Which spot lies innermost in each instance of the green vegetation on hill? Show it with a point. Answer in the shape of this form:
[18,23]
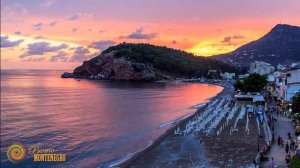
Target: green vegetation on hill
[168,60]
[253,83]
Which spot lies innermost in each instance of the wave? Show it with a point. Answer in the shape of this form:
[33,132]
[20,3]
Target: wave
[174,121]
[197,106]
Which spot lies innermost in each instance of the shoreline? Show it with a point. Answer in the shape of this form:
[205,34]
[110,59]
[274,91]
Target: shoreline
[167,133]
[214,136]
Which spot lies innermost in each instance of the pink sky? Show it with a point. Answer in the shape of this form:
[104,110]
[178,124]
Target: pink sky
[60,34]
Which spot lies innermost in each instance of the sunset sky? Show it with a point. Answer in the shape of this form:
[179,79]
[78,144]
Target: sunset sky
[60,34]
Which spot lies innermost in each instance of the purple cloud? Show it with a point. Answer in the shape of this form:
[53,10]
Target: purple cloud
[17,33]
[226,39]
[53,23]
[138,34]
[81,54]
[74,17]
[60,56]
[36,59]
[39,48]
[40,37]
[38,26]
[229,39]
[6,43]
[74,29]
[101,45]
[238,36]
[47,3]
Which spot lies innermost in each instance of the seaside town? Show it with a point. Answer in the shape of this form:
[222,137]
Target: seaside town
[276,108]
[253,122]
[150,84]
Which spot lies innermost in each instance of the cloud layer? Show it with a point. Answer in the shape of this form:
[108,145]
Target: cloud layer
[5,42]
[81,54]
[40,48]
[138,34]
[102,45]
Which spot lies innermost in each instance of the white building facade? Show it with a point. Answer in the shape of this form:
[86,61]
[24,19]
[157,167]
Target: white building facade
[292,83]
[261,68]
[228,76]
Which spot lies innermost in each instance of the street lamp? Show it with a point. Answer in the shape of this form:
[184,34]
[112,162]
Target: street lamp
[260,136]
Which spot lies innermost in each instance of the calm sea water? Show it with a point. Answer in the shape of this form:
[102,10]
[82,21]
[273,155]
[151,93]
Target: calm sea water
[95,123]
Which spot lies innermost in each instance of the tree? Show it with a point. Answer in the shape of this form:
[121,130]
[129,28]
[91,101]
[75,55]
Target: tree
[253,83]
[239,85]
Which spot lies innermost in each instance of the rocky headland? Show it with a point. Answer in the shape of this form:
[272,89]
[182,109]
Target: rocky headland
[145,62]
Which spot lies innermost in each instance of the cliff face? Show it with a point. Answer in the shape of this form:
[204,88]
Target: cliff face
[106,66]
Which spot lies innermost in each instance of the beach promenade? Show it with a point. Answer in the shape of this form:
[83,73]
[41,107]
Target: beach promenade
[282,126]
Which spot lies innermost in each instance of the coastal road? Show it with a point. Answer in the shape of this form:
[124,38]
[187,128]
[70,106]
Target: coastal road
[283,125]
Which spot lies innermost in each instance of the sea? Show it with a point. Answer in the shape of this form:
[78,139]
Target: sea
[94,123]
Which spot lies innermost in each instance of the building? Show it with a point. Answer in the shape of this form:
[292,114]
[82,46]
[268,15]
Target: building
[261,68]
[271,78]
[287,81]
[280,67]
[295,64]
[228,75]
[292,83]
[243,76]
[293,75]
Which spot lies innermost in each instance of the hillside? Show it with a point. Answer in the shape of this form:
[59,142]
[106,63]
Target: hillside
[281,44]
[128,61]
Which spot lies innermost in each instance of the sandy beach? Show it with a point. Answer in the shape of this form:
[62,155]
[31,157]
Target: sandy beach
[217,135]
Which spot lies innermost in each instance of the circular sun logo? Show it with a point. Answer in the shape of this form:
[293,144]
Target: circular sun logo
[16,152]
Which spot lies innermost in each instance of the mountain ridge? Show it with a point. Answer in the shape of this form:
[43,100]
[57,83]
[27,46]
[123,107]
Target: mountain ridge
[281,44]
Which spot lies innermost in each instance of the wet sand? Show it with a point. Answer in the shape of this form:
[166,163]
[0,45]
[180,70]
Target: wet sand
[200,149]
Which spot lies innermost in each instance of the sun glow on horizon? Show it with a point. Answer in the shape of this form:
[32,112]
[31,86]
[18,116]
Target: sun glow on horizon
[209,48]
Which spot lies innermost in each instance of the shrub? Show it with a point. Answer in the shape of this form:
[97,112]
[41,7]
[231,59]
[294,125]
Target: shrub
[295,162]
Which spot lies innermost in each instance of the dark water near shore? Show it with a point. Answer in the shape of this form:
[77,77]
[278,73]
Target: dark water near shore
[95,123]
